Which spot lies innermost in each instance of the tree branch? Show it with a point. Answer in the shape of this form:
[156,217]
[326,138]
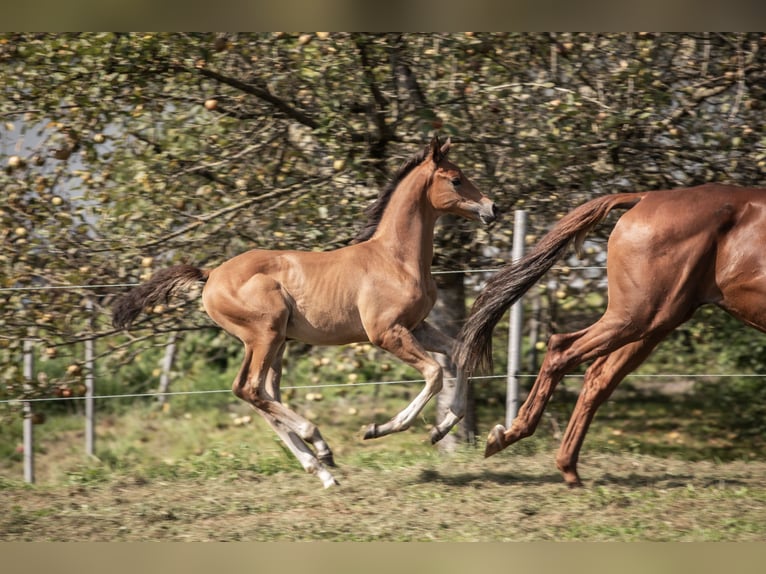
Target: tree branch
[261,93]
[385,133]
[203,172]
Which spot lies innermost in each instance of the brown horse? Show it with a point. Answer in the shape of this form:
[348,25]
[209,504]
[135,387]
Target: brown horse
[671,253]
[379,289]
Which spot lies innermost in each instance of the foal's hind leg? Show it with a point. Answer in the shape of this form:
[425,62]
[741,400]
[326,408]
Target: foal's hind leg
[300,450]
[259,385]
[312,435]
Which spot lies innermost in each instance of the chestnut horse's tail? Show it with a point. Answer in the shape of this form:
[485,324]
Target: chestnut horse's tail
[158,289]
[474,347]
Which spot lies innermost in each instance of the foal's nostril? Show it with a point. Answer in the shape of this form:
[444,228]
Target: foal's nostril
[495,210]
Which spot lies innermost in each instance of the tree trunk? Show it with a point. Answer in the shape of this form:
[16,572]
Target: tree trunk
[167,365]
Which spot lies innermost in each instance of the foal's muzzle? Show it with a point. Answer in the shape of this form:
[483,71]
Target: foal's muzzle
[488,213]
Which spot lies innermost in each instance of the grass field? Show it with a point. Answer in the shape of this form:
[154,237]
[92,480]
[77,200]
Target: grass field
[655,467]
[457,499]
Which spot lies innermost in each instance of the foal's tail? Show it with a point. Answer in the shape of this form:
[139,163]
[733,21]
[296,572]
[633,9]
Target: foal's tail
[158,289]
[474,347]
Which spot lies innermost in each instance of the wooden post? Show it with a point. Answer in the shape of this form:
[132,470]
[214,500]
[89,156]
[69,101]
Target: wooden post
[515,325]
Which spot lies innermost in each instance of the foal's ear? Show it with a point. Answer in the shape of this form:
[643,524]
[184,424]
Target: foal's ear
[445,147]
[438,150]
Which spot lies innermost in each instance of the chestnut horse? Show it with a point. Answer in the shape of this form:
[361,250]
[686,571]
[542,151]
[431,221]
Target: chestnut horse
[379,289]
[672,252]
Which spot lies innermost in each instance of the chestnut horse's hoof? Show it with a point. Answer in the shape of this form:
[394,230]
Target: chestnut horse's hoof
[495,441]
[572,479]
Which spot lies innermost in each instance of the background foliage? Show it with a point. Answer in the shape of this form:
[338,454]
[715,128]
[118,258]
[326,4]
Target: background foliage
[124,153]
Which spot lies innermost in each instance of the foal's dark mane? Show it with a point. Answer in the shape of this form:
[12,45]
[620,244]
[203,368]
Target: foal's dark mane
[375,211]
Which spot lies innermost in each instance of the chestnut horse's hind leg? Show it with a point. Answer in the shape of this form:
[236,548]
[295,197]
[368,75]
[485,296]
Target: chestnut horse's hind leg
[601,378]
[565,352]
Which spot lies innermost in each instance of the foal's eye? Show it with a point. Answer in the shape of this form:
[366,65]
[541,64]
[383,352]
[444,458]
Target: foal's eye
[456,181]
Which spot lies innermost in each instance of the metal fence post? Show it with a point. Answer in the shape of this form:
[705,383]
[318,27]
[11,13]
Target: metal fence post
[515,324]
[28,430]
[90,431]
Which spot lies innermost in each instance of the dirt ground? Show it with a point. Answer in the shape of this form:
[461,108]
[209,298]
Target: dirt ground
[458,498]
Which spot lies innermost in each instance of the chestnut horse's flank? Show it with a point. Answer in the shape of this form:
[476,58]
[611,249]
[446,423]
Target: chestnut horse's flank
[672,252]
[379,289]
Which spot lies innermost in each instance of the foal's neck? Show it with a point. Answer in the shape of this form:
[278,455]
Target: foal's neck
[407,225]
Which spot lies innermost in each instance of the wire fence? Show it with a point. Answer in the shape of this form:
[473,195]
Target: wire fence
[156,394]
[228,391]
[66,287]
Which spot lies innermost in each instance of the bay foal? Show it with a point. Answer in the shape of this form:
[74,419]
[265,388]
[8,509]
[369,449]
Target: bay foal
[378,289]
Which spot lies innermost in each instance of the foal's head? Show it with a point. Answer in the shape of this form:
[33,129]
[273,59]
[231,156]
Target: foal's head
[452,192]
[447,190]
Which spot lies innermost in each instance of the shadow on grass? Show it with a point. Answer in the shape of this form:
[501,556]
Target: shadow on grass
[666,481]
[633,480]
[478,479]
[703,422]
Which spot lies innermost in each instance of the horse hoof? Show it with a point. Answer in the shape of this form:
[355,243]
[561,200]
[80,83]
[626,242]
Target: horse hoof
[328,459]
[573,482]
[371,432]
[495,441]
[327,479]
[436,435]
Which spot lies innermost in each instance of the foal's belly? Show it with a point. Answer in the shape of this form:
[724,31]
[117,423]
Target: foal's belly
[326,330]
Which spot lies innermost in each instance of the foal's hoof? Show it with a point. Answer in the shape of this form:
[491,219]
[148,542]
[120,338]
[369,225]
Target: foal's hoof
[327,459]
[371,432]
[327,479]
[437,435]
[495,441]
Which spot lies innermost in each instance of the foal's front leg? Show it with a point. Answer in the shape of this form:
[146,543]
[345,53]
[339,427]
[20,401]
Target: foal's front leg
[436,341]
[402,343]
